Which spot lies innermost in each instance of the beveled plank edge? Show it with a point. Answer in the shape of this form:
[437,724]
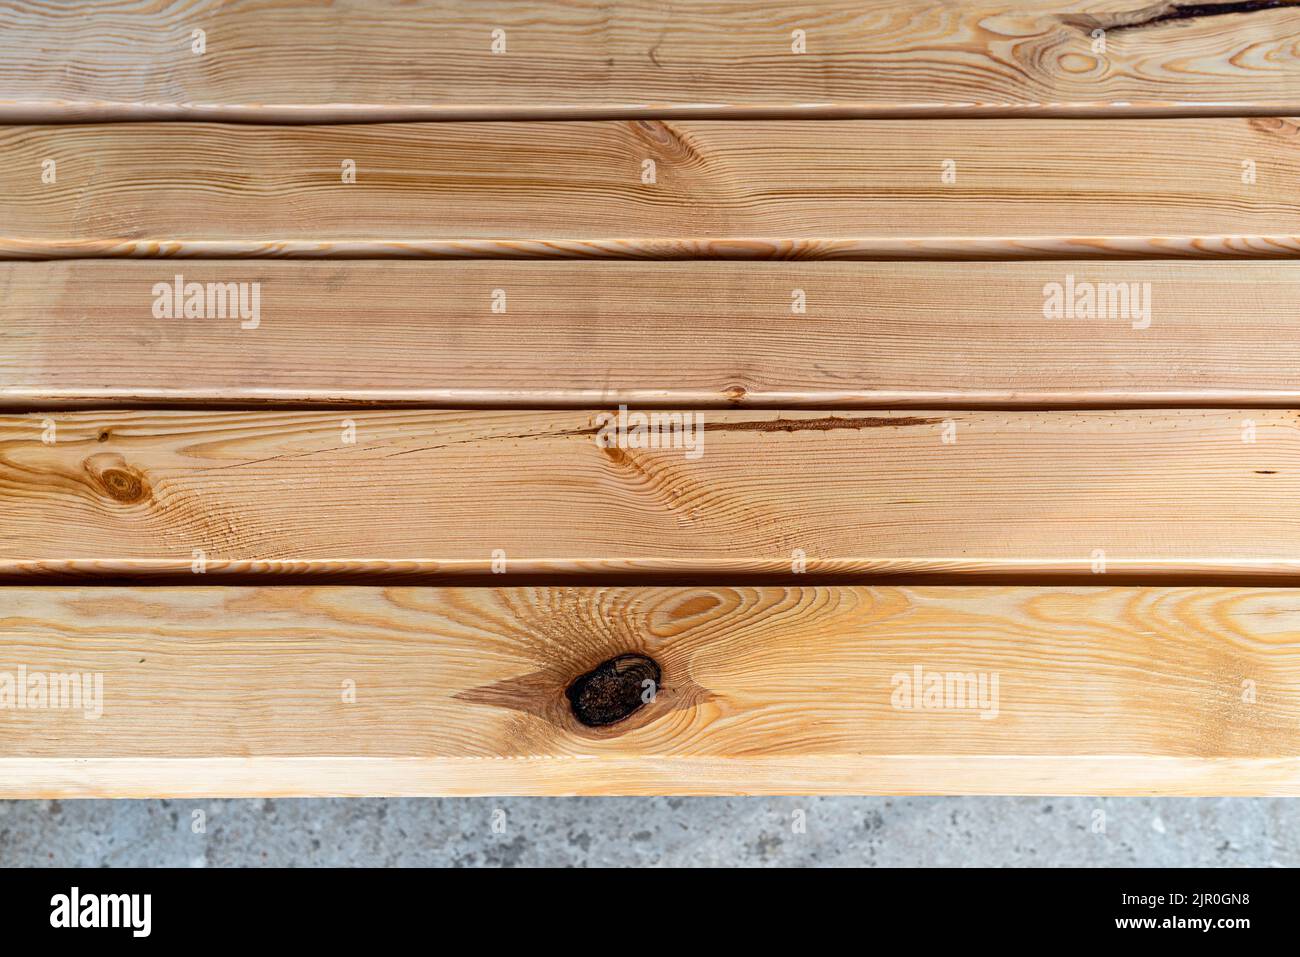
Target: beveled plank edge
[24,399]
[343,776]
[978,248]
[43,112]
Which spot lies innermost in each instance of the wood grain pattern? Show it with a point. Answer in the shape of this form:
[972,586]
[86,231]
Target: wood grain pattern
[1160,493]
[815,189]
[212,690]
[275,60]
[767,581]
[689,334]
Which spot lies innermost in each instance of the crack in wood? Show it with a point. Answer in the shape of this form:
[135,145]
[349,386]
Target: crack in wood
[1169,12]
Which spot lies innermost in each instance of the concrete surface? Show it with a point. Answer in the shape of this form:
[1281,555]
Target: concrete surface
[655,831]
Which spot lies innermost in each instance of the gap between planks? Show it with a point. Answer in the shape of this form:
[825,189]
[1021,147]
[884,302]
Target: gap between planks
[55,113]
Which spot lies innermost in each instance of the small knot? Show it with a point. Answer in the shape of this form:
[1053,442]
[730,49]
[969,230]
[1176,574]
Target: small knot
[116,479]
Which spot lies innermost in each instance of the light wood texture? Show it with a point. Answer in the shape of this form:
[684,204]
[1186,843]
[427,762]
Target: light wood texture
[241,691]
[814,189]
[282,60]
[690,334]
[1160,493]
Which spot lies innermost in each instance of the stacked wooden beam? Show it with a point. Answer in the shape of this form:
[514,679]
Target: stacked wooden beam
[569,397]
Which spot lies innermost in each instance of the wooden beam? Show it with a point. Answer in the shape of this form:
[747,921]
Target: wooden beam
[989,189]
[919,493]
[282,61]
[686,334]
[303,691]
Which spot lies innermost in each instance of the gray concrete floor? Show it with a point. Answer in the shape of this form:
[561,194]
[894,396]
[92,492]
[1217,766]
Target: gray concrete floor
[473,832]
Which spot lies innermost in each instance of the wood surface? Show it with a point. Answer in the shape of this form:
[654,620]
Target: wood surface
[690,334]
[219,690]
[759,190]
[1163,494]
[273,60]
[1085,509]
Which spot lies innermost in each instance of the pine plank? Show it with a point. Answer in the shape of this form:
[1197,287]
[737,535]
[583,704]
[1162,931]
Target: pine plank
[443,493]
[799,690]
[756,190]
[279,60]
[690,334]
